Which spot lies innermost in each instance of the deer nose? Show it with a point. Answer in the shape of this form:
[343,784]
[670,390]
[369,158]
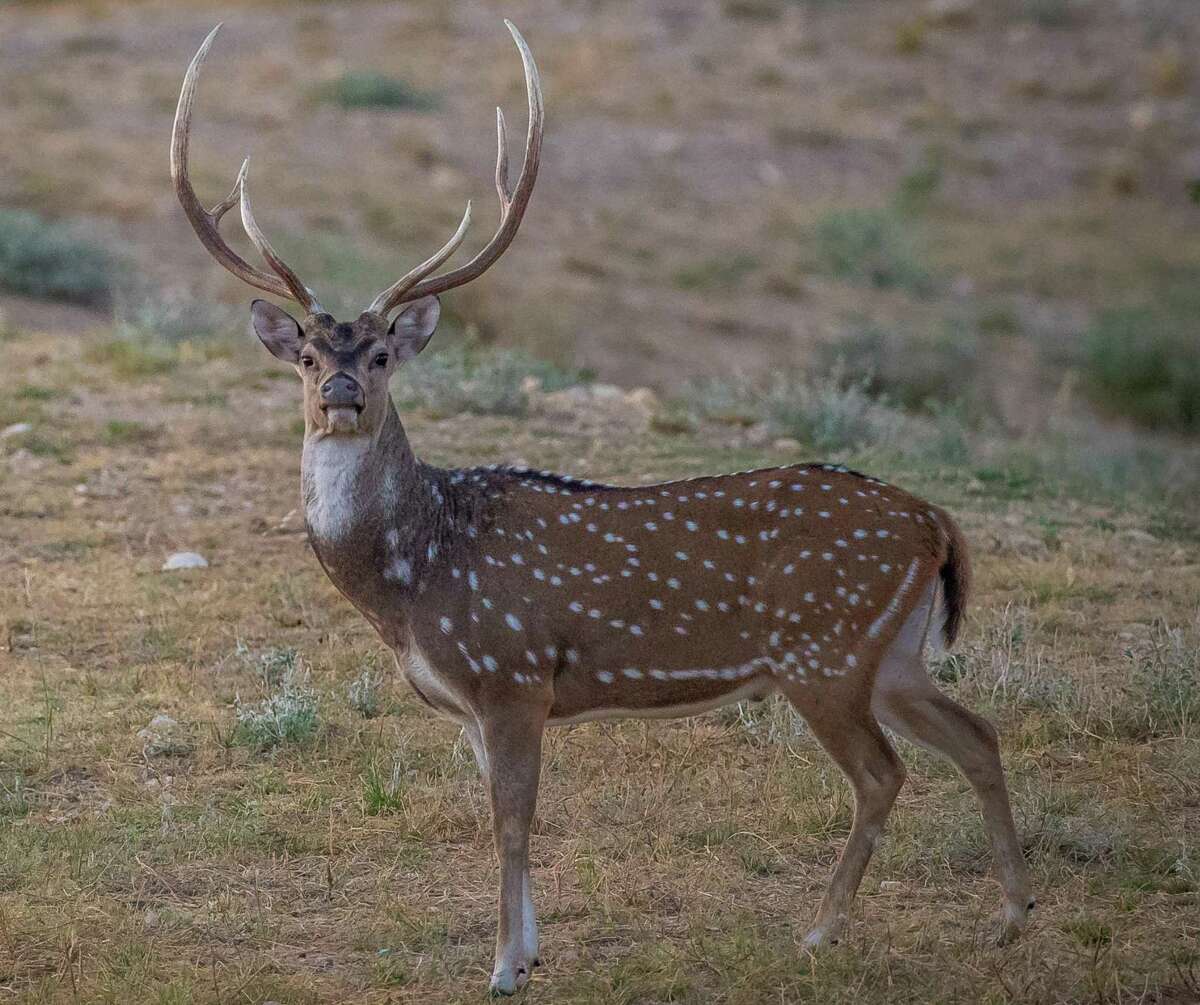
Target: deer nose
[341,391]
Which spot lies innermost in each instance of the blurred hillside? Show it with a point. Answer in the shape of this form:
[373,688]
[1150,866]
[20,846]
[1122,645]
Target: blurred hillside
[955,195]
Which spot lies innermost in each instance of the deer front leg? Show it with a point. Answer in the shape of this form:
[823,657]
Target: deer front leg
[512,741]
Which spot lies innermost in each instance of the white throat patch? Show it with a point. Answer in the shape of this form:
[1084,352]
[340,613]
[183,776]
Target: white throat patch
[329,470]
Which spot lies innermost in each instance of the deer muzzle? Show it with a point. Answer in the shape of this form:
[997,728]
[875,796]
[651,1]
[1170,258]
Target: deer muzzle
[342,401]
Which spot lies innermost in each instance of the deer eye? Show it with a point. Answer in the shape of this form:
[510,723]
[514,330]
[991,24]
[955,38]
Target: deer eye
[307,362]
[381,359]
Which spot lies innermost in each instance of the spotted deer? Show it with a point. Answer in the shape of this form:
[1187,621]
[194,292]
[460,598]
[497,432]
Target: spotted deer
[515,599]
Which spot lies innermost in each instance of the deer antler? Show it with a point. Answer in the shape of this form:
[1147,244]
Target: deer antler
[419,283]
[206,223]
[299,292]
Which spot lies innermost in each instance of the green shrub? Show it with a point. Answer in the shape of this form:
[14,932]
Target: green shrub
[1144,362]
[383,792]
[14,801]
[830,413]
[368,89]
[753,10]
[365,693]
[1162,695]
[912,373]
[1050,13]
[715,273]
[273,665]
[466,377]
[150,335]
[55,445]
[169,318]
[871,247]
[134,357]
[118,432]
[43,259]
[916,189]
[288,714]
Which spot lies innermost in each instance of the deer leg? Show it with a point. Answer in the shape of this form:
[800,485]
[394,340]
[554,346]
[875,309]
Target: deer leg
[927,717]
[907,701]
[474,737]
[512,741]
[858,746]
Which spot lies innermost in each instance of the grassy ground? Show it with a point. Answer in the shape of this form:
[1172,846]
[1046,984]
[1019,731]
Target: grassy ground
[971,229]
[673,862]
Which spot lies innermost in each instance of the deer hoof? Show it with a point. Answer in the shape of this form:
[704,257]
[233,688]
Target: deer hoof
[510,980]
[1012,922]
[819,938]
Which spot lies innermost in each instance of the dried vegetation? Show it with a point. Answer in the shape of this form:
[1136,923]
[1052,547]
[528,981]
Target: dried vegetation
[214,788]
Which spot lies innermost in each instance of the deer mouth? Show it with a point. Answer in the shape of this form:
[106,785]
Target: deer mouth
[342,418]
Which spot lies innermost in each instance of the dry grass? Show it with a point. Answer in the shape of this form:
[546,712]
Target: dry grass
[674,862]
[1035,152]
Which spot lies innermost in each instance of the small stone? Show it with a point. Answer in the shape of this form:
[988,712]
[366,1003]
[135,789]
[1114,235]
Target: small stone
[185,560]
[758,435]
[606,392]
[1142,116]
[16,429]
[164,737]
[644,399]
[769,174]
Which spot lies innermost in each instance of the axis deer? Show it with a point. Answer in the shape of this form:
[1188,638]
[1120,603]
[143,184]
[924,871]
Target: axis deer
[516,599]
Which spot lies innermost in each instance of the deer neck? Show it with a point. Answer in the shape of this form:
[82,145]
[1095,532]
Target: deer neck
[352,485]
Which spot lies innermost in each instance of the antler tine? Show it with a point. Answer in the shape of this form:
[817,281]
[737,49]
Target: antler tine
[512,206]
[297,290]
[502,163]
[206,223]
[231,200]
[395,294]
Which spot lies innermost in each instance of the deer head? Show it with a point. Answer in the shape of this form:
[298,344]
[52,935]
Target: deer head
[346,367]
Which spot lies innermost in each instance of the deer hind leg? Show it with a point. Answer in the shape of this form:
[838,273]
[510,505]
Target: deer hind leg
[907,701]
[512,742]
[474,735]
[858,746]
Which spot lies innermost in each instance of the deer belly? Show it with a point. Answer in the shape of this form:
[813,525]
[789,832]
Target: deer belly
[665,694]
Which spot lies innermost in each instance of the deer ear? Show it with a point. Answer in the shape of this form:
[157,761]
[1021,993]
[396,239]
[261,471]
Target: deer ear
[277,329]
[413,326]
